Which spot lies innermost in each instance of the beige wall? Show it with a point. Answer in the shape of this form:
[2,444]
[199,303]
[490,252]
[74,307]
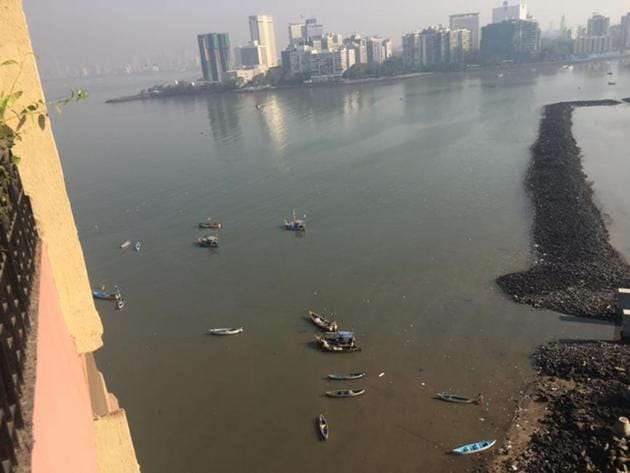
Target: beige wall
[43,181]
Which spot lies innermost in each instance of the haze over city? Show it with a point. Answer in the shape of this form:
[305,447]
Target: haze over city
[72,33]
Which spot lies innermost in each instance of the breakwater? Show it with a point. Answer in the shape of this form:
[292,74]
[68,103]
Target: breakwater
[575,270]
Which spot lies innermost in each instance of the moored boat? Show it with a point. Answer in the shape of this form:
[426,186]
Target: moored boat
[295,224]
[125,244]
[104,296]
[346,376]
[120,303]
[208,241]
[345,393]
[322,425]
[459,399]
[137,246]
[210,224]
[322,322]
[225,331]
[328,346]
[474,447]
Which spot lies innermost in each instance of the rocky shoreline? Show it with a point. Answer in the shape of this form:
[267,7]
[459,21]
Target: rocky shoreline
[566,421]
[576,270]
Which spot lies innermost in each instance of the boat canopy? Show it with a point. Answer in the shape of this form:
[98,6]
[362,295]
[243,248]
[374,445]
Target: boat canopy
[342,336]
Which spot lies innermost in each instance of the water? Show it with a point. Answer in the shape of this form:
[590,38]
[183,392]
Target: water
[414,201]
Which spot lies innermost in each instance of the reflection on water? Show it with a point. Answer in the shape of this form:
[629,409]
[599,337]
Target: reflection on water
[414,207]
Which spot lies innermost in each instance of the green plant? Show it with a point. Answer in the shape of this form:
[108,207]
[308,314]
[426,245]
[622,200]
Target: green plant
[13,118]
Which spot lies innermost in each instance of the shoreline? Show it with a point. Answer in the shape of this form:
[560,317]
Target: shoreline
[575,270]
[370,80]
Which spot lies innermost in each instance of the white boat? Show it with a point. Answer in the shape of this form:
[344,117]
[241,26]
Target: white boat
[322,425]
[137,246]
[225,331]
[345,393]
[208,241]
[125,244]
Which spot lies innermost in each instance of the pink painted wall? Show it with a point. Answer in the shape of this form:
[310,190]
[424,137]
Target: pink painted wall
[63,429]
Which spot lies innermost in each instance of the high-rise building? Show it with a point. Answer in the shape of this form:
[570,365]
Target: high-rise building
[214,51]
[598,25]
[625,31]
[253,55]
[592,45]
[459,45]
[261,30]
[314,31]
[435,46]
[412,50]
[509,12]
[297,33]
[359,45]
[332,41]
[470,21]
[514,40]
[378,49]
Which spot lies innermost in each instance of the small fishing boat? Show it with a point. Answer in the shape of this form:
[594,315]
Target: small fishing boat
[137,246]
[225,331]
[326,345]
[345,393]
[346,376]
[125,244]
[474,447]
[322,425]
[612,83]
[210,224]
[295,224]
[459,399]
[104,296]
[120,303]
[208,241]
[322,322]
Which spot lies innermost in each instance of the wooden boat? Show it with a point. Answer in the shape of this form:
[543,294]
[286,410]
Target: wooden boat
[137,246]
[474,447]
[345,377]
[210,224]
[345,393]
[208,241]
[225,331]
[459,399]
[326,345]
[104,296]
[125,244]
[322,425]
[120,303]
[322,322]
[295,224]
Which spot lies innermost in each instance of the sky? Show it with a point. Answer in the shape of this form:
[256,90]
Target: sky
[111,32]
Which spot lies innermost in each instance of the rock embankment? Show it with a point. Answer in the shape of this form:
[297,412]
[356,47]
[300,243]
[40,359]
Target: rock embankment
[583,388]
[576,270]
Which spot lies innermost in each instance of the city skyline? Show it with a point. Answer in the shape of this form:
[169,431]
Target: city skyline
[56,45]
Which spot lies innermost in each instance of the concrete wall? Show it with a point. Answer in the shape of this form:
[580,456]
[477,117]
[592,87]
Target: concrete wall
[77,425]
[43,181]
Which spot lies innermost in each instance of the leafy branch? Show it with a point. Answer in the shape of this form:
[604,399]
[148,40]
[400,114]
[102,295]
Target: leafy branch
[13,118]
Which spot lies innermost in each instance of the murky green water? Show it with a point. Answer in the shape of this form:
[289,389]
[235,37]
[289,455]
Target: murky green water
[414,201]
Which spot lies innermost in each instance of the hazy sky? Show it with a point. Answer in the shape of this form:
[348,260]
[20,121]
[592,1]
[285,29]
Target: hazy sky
[111,32]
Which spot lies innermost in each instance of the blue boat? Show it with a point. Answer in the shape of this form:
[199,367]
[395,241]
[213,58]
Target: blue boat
[102,295]
[474,447]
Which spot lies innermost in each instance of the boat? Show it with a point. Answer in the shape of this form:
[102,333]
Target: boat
[345,377]
[295,224]
[612,83]
[343,338]
[210,224]
[326,345]
[208,241]
[125,244]
[322,322]
[120,303]
[460,399]
[345,393]
[225,331]
[322,425]
[137,246]
[474,447]
[104,296]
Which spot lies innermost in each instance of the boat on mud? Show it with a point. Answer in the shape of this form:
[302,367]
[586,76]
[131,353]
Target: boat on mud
[341,393]
[322,322]
[460,399]
[346,376]
[474,447]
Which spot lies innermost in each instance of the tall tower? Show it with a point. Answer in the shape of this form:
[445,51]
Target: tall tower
[261,30]
[214,51]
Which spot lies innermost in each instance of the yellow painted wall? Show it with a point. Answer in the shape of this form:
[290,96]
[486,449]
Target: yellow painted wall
[43,180]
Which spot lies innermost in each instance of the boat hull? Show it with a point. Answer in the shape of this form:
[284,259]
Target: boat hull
[345,377]
[474,447]
[225,331]
[345,393]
